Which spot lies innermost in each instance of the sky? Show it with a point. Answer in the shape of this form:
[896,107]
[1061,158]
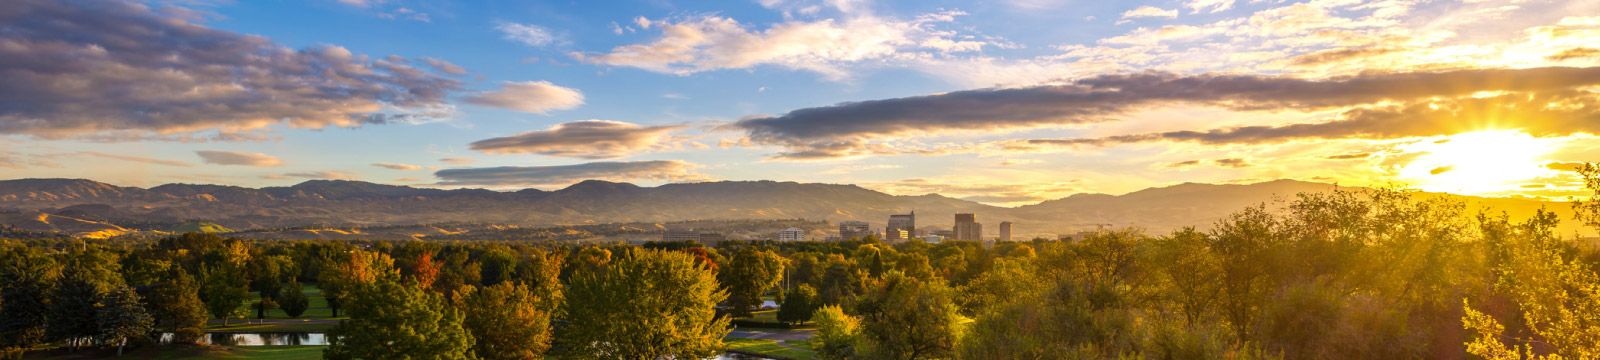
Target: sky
[1005,102]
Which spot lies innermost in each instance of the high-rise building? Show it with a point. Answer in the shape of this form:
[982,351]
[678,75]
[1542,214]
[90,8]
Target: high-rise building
[792,234]
[853,230]
[906,222]
[1005,231]
[968,228]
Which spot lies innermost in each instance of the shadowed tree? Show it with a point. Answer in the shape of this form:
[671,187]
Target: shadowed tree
[292,299]
[175,306]
[906,318]
[25,286]
[120,317]
[750,273]
[223,290]
[798,306]
[72,307]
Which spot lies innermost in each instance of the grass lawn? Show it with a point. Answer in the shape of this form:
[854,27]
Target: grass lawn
[317,310]
[194,352]
[767,347]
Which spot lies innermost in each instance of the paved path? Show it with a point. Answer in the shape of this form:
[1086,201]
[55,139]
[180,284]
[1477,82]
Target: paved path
[780,335]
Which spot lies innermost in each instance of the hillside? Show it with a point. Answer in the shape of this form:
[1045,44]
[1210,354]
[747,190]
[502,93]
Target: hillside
[354,203]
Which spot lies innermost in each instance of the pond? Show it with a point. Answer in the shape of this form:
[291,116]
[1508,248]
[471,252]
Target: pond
[321,339]
[258,339]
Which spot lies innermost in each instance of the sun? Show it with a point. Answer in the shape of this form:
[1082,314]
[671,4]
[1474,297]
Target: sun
[1483,162]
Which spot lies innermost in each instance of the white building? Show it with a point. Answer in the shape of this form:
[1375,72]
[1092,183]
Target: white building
[791,234]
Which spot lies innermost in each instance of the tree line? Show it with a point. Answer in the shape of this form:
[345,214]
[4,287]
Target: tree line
[1346,274]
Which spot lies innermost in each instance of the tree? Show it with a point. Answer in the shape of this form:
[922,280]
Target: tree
[121,317]
[72,307]
[907,318]
[223,290]
[270,274]
[749,275]
[1191,269]
[836,333]
[354,268]
[647,304]
[798,306]
[174,303]
[509,321]
[24,289]
[293,299]
[393,321]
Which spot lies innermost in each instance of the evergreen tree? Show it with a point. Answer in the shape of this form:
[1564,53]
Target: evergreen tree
[72,308]
[174,303]
[24,287]
[509,321]
[121,317]
[293,299]
[646,304]
[392,321]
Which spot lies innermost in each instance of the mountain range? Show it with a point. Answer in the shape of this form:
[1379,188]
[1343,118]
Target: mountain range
[87,207]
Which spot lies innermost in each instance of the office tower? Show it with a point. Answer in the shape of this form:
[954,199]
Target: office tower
[968,228]
[1005,231]
[907,222]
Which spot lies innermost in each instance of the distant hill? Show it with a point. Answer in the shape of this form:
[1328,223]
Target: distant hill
[201,227]
[355,203]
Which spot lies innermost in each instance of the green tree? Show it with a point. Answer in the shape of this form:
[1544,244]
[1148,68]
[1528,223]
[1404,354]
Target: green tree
[798,306]
[223,290]
[906,318]
[293,299]
[1191,269]
[121,317]
[509,321]
[749,275]
[645,304]
[174,303]
[25,285]
[836,333]
[393,321]
[72,307]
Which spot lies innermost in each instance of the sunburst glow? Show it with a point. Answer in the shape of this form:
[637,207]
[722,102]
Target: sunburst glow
[1483,162]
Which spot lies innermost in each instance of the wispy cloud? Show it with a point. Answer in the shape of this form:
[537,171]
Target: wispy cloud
[586,139]
[220,157]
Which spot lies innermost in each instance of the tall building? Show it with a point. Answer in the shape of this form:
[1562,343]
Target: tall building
[968,228]
[906,222]
[680,235]
[853,230]
[791,234]
[1005,231]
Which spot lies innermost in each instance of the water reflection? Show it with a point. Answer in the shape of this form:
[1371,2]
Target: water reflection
[258,339]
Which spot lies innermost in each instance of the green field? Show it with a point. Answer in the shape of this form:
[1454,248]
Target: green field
[768,347]
[318,311]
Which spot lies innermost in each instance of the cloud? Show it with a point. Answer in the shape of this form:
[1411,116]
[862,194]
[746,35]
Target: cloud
[1350,156]
[1208,6]
[1232,163]
[458,161]
[560,175]
[444,66]
[1181,164]
[238,158]
[539,97]
[122,70]
[315,175]
[1373,105]
[394,166]
[407,180]
[1149,11]
[982,189]
[586,139]
[1011,162]
[528,34]
[707,42]
[1574,53]
[1340,55]
[136,159]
